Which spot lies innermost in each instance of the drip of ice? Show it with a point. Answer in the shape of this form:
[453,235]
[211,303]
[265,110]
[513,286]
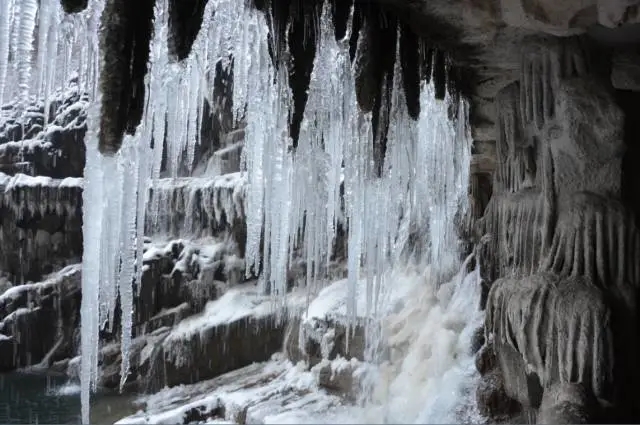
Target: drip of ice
[292,197]
[6,8]
[64,46]
[117,188]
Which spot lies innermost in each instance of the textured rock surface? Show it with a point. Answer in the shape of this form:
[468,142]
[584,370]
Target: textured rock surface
[560,244]
[38,320]
[567,404]
[41,161]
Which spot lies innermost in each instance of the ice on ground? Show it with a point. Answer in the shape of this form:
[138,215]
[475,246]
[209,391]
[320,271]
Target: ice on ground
[276,391]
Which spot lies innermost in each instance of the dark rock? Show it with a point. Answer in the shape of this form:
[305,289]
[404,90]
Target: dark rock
[198,292]
[486,359]
[166,318]
[477,340]
[124,46]
[39,320]
[492,399]
[110,358]
[41,229]
[185,18]
[567,404]
[625,70]
[74,6]
[214,350]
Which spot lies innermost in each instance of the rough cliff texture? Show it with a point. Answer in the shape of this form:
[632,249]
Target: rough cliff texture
[559,237]
[554,191]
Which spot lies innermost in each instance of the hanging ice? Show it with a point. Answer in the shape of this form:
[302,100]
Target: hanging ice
[27,23]
[6,9]
[294,197]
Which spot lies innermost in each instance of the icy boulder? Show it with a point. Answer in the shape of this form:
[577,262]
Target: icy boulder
[322,331]
[182,271]
[179,278]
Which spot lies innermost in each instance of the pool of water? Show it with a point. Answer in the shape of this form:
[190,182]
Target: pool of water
[30,398]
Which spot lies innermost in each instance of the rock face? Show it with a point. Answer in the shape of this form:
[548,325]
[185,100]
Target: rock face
[562,244]
[38,320]
[41,165]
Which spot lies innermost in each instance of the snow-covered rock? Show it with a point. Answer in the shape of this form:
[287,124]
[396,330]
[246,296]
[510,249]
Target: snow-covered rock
[239,328]
[272,392]
[40,225]
[52,145]
[37,321]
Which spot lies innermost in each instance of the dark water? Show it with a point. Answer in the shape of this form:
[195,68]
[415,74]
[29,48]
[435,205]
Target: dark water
[30,398]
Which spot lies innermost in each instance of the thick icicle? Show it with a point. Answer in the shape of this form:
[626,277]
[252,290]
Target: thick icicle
[293,199]
[28,11]
[94,210]
[6,12]
[46,14]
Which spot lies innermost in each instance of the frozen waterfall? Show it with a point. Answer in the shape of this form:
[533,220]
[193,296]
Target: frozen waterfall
[296,197]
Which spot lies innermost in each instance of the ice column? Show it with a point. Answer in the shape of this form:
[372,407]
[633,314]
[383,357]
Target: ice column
[6,13]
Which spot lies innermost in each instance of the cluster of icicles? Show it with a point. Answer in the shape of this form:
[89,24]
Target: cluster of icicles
[294,196]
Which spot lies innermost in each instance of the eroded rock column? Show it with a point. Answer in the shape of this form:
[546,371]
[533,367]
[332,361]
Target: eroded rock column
[561,245]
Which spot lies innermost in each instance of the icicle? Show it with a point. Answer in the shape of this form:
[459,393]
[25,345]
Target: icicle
[94,211]
[46,16]
[128,247]
[6,12]
[28,11]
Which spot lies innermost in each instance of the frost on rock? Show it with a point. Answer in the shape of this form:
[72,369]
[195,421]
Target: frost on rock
[39,224]
[196,206]
[38,333]
[33,144]
[561,327]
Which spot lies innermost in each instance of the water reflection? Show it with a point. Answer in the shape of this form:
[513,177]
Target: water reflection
[30,398]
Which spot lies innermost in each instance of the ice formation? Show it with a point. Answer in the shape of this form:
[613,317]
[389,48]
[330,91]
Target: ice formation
[291,197]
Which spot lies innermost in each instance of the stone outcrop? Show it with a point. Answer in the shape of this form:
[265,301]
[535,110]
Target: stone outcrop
[38,321]
[41,165]
[561,243]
